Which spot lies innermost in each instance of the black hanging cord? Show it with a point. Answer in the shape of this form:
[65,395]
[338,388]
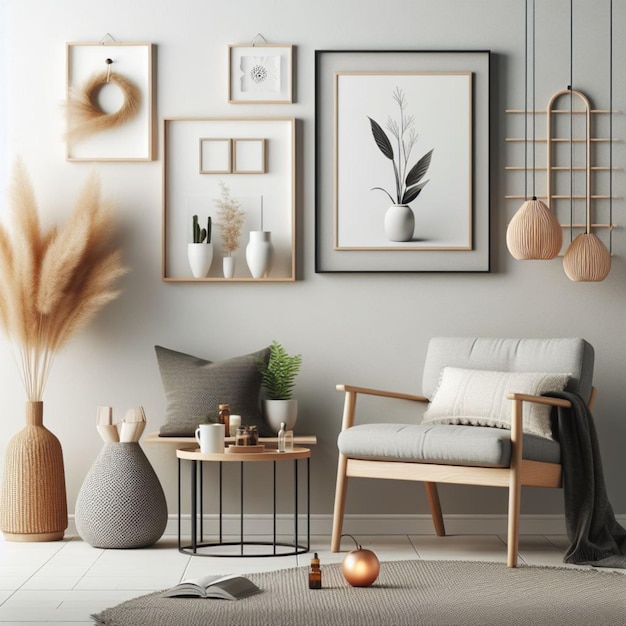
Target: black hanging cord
[611,127]
[534,112]
[526,101]
[571,119]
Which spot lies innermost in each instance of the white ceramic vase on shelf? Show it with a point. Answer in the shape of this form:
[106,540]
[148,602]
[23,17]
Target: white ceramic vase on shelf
[228,266]
[260,253]
[276,412]
[399,222]
[200,256]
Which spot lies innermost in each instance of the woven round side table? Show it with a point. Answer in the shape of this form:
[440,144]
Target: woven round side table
[121,503]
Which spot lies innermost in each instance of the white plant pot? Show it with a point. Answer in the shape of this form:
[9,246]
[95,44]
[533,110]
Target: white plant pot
[399,222]
[228,266]
[260,253]
[200,256]
[279,411]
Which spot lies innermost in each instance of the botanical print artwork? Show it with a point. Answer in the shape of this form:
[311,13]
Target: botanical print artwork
[400,223]
[403,170]
[260,74]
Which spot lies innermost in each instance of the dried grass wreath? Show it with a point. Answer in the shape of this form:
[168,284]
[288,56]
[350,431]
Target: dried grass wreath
[85,117]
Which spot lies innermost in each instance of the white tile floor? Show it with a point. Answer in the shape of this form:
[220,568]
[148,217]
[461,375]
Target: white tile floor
[64,582]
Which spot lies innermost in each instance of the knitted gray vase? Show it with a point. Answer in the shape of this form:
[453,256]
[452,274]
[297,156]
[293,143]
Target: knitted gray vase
[121,503]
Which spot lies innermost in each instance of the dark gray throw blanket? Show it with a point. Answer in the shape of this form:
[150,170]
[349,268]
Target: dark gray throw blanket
[596,537]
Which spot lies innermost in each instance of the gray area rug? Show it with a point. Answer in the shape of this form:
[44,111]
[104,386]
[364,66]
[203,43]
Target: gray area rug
[407,593]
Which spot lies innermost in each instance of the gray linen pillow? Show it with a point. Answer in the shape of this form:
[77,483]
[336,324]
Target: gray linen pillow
[194,388]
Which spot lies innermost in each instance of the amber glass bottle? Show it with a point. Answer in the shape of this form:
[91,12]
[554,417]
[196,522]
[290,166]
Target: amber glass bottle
[315,574]
[224,417]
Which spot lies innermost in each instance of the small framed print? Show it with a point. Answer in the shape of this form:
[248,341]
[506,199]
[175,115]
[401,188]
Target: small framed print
[260,73]
[215,156]
[249,156]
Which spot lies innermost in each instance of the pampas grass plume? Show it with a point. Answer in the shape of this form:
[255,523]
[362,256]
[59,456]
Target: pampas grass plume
[53,283]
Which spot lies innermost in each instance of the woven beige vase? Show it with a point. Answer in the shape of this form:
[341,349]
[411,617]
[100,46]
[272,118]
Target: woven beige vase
[33,504]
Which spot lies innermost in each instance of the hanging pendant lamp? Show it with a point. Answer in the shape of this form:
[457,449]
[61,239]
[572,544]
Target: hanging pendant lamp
[534,233]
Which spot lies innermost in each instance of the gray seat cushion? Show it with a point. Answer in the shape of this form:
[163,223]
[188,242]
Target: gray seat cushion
[435,443]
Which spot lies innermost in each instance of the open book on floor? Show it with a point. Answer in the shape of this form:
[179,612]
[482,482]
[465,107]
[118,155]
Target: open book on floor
[231,587]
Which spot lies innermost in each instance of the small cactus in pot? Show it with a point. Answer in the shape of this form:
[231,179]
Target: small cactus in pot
[199,253]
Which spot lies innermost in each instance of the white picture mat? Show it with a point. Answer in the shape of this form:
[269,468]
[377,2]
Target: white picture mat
[133,140]
[188,193]
[327,258]
[283,95]
[441,107]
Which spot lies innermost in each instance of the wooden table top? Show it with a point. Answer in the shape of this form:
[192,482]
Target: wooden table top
[268,454]
[305,440]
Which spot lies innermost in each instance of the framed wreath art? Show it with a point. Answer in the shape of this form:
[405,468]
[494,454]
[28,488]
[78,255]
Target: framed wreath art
[109,104]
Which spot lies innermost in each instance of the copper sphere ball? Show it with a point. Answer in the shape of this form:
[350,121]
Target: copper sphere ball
[360,567]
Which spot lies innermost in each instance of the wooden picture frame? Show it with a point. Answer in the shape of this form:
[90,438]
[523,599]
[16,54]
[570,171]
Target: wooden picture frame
[216,155]
[260,73]
[269,199]
[446,95]
[132,140]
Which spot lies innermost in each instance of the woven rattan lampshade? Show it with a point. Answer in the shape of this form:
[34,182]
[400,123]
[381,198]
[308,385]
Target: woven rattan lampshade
[534,232]
[587,259]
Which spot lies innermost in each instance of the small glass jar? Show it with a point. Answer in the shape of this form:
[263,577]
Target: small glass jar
[242,436]
[253,434]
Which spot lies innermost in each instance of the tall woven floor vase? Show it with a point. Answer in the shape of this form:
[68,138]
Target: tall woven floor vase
[33,503]
[121,503]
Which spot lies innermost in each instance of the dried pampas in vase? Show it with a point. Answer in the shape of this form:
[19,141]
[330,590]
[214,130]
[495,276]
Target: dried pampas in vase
[52,283]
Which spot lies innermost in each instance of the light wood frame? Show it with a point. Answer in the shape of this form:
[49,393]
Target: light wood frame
[135,140]
[521,472]
[282,96]
[229,158]
[241,143]
[182,182]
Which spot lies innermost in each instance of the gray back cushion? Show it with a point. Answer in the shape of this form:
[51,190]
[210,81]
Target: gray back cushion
[567,356]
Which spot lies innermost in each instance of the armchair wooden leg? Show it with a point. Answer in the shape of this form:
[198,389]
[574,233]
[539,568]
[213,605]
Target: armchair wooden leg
[340,502]
[513,529]
[435,508]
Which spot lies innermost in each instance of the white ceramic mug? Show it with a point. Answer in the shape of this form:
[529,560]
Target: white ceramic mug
[210,437]
[235,423]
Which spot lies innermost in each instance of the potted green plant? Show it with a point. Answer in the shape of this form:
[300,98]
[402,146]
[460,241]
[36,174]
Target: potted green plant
[199,253]
[278,375]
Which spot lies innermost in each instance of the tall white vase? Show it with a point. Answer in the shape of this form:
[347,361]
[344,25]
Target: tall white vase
[399,222]
[200,256]
[260,253]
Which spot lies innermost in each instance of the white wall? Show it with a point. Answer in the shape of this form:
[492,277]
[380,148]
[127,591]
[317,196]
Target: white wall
[363,329]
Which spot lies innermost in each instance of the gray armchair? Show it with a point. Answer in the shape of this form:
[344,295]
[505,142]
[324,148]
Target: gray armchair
[464,377]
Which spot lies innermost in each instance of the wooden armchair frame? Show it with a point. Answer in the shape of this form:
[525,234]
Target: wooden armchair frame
[520,472]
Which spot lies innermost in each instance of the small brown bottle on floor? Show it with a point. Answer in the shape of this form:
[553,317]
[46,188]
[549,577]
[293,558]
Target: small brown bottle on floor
[315,574]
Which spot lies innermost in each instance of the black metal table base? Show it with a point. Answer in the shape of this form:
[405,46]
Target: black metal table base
[197,517]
